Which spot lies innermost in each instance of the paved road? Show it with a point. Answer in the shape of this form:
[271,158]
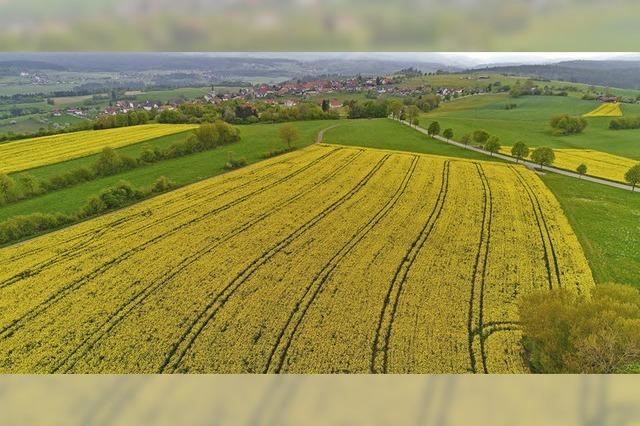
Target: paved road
[526,163]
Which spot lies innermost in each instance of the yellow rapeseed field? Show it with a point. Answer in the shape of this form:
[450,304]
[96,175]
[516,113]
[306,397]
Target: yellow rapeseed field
[606,110]
[599,164]
[328,259]
[19,155]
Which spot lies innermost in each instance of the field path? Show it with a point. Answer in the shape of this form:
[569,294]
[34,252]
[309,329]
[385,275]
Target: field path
[320,136]
[524,162]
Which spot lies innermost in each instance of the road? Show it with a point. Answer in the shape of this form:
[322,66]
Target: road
[526,163]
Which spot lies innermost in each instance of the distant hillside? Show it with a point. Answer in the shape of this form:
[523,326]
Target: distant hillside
[622,74]
[250,65]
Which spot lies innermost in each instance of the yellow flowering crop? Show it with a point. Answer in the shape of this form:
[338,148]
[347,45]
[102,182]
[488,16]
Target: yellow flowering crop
[35,152]
[606,110]
[328,259]
[599,164]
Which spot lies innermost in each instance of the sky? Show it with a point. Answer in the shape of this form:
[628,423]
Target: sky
[449,58]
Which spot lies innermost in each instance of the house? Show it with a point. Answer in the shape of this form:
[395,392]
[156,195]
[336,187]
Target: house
[613,99]
[335,104]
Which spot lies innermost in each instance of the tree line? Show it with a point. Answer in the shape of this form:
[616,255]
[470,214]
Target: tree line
[120,195]
[110,162]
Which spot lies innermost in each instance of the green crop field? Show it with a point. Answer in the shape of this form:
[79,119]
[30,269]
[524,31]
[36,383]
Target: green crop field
[256,140]
[529,122]
[387,134]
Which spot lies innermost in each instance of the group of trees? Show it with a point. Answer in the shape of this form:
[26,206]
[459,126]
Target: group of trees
[406,109]
[564,124]
[236,112]
[19,227]
[569,333]
[110,162]
[132,118]
[625,123]
[367,109]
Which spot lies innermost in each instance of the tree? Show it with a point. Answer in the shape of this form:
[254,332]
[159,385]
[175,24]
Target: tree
[564,332]
[394,108]
[480,136]
[434,128]
[412,113]
[448,133]
[229,115]
[543,156]
[466,139]
[492,145]
[520,150]
[288,134]
[325,105]
[633,176]
[582,169]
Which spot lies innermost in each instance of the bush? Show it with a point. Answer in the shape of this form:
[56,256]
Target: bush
[8,189]
[276,152]
[235,163]
[162,184]
[108,163]
[564,124]
[567,333]
[30,185]
[149,155]
[19,227]
[625,123]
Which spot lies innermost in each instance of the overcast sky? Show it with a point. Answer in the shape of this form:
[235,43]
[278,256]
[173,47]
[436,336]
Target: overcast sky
[449,58]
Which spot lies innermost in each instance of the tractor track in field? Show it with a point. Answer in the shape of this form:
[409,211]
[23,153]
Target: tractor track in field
[482,257]
[322,277]
[8,329]
[96,234]
[123,311]
[193,331]
[543,228]
[380,346]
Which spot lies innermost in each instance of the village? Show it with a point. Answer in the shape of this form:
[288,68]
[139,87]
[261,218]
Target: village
[287,94]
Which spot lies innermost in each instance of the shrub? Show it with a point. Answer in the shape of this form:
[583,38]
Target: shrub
[149,154]
[276,152]
[108,163]
[19,227]
[235,163]
[30,185]
[625,123]
[567,333]
[92,207]
[564,124]
[9,191]
[120,195]
[162,184]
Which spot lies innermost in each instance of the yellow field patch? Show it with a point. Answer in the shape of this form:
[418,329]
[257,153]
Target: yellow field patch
[606,110]
[328,259]
[599,164]
[35,152]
